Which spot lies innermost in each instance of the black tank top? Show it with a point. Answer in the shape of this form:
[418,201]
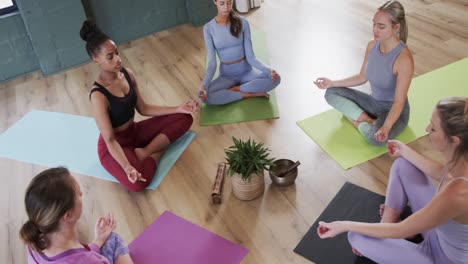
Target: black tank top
[121,109]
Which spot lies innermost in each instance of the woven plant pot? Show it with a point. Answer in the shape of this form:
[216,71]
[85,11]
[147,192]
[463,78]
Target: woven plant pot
[248,190]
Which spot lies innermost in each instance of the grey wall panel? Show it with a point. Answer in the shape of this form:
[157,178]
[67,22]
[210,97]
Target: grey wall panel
[53,28]
[17,56]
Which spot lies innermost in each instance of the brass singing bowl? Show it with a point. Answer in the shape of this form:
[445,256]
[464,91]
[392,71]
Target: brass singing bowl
[280,166]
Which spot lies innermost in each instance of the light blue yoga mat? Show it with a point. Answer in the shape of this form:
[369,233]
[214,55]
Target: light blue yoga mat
[56,139]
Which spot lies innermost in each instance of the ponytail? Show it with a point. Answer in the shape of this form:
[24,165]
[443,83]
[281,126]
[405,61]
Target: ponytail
[236,23]
[48,197]
[403,31]
[31,235]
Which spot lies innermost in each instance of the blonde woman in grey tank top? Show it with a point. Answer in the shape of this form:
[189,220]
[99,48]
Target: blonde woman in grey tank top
[388,66]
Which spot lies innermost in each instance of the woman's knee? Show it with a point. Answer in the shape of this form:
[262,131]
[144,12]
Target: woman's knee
[353,238]
[272,85]
[138,186]
[403,165]
[371,140]
[401,162]
[368,131]
[181,123]
[185,121]
[332,93]
[357,240]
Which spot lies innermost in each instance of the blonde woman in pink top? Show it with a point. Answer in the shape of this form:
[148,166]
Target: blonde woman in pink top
[53,204]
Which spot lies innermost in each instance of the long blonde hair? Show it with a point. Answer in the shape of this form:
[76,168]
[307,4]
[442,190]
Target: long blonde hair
[397,13]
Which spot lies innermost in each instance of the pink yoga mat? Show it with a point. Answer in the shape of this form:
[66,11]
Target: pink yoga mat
[173,240]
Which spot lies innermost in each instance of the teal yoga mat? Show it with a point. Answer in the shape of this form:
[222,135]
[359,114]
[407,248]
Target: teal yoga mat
[337,136]
[57,139]
[250,109]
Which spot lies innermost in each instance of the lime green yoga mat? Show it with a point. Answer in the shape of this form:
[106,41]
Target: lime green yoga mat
[337,136]
[248,109]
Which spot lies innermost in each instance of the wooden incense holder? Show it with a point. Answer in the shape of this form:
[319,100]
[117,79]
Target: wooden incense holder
[216,193]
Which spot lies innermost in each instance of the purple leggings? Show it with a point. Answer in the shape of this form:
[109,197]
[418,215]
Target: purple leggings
[407,184]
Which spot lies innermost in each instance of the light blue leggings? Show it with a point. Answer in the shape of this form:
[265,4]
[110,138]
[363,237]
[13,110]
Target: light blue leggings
[250,80]
[352,103]
[406,183]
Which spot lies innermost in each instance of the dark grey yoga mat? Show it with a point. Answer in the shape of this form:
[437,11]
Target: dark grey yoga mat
[350,203]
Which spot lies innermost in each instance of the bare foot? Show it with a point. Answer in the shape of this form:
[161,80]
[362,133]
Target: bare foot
[357,253]
[158,155]
[392,216]
[381,210]
[364,117]
[249,95]
[354,122]
[235,88]
[140,154]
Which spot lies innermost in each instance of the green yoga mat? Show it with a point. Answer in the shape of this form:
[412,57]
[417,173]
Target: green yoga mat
[250,109]
[337,136]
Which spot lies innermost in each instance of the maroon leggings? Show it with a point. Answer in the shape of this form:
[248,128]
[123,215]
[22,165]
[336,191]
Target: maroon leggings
[139,135]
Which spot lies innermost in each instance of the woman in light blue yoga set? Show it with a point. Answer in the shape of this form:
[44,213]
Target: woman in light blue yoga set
[388,66]
[440,214]
[242,75]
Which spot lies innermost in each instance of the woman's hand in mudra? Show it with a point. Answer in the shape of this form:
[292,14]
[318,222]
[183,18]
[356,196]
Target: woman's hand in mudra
[133,175]
[202,94]
[188,107]
[382,134]
[274,75]
[323,83]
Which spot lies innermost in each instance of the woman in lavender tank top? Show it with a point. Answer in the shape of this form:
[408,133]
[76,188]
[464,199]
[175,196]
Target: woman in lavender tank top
[388,66]
[440,213]
[53,204]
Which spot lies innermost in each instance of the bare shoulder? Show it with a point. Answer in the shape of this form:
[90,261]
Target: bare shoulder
[405,56]
[97,97]
[370,44]
[456,191]
[458,185]
[131,74]
[404,63]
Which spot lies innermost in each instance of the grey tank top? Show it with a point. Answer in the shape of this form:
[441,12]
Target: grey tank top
[453,237]
[379,72]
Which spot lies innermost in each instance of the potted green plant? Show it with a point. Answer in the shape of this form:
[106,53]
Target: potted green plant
[247,161]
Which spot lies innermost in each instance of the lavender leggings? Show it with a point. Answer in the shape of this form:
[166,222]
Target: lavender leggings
[407,183]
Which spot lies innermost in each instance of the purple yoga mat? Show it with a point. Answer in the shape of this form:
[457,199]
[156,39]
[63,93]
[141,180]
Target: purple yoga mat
[173,240]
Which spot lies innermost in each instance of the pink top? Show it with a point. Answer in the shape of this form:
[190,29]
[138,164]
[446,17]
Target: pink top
[88,254]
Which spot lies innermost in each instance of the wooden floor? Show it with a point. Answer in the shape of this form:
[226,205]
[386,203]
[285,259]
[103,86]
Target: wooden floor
[306,39]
